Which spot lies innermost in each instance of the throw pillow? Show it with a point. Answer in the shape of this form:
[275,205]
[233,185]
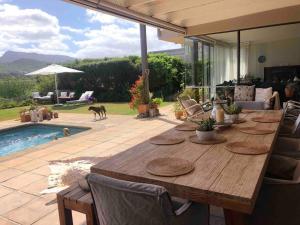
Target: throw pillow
[263,94]
[281,167]
[244,93]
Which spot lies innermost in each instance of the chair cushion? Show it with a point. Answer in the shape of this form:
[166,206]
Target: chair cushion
[191,106]
[244,93]
[63,94]
[72,94]
[281,167]
[35,94]
[83,97]
[263,94]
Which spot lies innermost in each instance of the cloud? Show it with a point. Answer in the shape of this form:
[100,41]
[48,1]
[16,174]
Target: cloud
[30,30]
[74,30]
[116,37]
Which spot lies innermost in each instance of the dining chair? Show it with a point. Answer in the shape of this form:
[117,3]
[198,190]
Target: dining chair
[287,147]
[278,202]
[291,109]
[290,127]
[120,202]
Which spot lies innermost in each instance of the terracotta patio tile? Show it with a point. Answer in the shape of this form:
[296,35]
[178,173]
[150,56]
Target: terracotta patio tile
[15,162]
[33,164]
[36,187]
[22,180]
[13,201]
[9,173]
[43,170]
[31,212]
[4,221]
[5,190]
[55,156]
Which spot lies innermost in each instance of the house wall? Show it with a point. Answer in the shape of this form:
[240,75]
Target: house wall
[277,53]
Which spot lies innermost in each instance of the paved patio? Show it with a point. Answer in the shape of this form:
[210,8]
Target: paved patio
[24,175]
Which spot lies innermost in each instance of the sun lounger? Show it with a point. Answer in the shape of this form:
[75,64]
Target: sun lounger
[84,98]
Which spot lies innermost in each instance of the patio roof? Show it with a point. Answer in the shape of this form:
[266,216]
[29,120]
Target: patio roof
[195,17]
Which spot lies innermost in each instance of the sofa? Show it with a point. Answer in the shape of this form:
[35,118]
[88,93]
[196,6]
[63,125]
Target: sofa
[250,97]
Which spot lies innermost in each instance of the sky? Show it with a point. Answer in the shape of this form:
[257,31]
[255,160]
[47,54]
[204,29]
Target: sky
[57,27]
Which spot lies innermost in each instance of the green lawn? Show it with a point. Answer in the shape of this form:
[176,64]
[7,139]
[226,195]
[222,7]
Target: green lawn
[112,108]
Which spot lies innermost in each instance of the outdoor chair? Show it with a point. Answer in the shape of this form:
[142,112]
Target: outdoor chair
[122,202]
[65,97]
[193,109]
[287,147]
[46,98]
[35,95]
[84,98]
[290,127]
[278,202]
[291,109]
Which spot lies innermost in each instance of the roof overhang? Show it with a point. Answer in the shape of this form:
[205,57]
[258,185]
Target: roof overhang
[194,17]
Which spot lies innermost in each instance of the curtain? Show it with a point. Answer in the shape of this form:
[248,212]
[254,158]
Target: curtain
[225,63]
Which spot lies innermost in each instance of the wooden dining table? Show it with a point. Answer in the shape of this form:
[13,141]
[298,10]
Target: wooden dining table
[220,178]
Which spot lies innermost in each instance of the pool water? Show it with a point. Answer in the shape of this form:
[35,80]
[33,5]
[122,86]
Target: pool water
[20,138]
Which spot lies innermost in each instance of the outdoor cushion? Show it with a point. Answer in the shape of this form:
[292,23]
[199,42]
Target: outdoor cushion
[244,93]
[251,105]
[72,94]
[50,94]
[64,94]
[191,106]
[35,94]
[83,97]
[281,167]
[123,202]
[263,94]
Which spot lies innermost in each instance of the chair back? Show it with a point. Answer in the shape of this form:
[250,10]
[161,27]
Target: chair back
[296,127]
[190,106]
[50,94]
[122,202]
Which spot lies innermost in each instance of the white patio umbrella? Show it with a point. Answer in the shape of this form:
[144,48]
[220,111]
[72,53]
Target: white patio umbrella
[53,69]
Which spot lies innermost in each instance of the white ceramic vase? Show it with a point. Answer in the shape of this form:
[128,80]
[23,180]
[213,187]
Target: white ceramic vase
[206,135]
[232,118]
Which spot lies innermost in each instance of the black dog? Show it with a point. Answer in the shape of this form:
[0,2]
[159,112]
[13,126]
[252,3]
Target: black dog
[98,110]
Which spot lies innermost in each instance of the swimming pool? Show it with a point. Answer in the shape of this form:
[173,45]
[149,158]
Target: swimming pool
[19,138]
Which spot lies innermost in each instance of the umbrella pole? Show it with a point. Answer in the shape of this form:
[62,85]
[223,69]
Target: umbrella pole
[57,100]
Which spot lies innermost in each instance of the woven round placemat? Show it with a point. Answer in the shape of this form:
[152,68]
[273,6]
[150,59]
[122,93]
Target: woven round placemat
[246,148]
[240,120]
[256,130]
[218,140]
[169,167]
[186,127]
[264,119]
[166,140]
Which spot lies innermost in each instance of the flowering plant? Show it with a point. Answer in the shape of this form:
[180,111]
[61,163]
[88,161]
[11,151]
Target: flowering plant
[136,92]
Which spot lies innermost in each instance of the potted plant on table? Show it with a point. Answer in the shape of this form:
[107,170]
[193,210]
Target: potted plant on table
[178,110]
[153,106]
[138,100]
[206,130]
[232,112]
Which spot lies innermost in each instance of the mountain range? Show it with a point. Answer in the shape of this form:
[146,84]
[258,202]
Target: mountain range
[20,63]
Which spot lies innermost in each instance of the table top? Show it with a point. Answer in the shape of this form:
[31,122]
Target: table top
[220,177]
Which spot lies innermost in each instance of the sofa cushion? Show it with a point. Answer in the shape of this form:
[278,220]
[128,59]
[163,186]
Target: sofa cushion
[281,167]
[263,94]
[244,93]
